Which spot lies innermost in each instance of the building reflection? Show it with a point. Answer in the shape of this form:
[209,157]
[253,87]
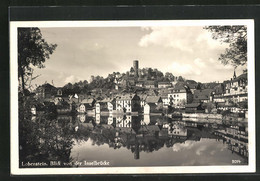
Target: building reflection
[55,136]
[237,139]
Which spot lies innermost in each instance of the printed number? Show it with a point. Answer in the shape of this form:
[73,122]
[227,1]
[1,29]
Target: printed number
[236,161]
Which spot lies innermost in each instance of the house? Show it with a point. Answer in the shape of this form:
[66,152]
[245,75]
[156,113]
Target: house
[194,108]
[177,130]
[218,93]
[152,108]
[105,105]
[89,101]
[236,88]
[180,95]
[203,95]
[124,122]
[111,105]
[45,91]
[128,103]
[232,91]
[149,84]
[142,99]
[163,93]
[165,100]
[219,89]
[153,99]
[164,85]
[224,106]
[101,106]
[81,118]
[86,104]
[231,107]
[192,85]
[152,92]
[110,119]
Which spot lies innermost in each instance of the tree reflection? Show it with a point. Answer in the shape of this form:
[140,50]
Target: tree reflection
[45,139]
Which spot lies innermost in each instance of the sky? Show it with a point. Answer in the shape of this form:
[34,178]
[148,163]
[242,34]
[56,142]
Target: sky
[81,52]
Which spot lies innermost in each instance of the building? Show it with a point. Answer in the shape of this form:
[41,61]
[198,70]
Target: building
[136,67]
[236,88]
[111,105]
[142,99]
[128,103]
[162,85]
[192,85]
[124,122]
[101,106]
[45,91]
[152,108]
[152,92]
[218,93]
[194,108]
[177,130]
[105,105]
[86,104]
[232,94]
[149,84]
[203,95]
[180,95]
[154,99]
[163,93]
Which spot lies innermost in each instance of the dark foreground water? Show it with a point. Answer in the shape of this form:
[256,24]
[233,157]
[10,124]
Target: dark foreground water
[81,141]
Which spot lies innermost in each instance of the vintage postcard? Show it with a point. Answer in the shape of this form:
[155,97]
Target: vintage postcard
[132,97]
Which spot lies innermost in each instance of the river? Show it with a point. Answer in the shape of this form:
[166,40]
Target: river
[126,140]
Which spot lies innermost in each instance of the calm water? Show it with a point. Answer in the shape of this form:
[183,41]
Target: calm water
[67,141]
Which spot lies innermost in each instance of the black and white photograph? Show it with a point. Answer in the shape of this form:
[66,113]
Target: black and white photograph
[115,97]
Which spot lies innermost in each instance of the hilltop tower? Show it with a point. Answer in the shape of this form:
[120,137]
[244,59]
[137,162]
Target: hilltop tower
[136,67]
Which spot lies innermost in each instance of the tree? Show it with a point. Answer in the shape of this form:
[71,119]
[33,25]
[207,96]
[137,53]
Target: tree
[236,37]
[181,79]
[33,50]
[169,76]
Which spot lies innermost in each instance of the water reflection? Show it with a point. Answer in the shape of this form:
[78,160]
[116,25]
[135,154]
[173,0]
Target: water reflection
[132,140]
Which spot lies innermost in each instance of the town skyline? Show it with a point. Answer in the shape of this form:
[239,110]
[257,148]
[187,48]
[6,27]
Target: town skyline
[84,52]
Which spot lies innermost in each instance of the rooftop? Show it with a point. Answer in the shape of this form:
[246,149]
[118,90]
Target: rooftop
[87,101]
[191,105]
[202,94]
[153,99]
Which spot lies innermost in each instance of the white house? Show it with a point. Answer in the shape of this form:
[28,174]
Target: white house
[124,122]
[180,95]
[164,85]
[177,130]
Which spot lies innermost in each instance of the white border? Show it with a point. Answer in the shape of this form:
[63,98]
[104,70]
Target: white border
[14,148]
